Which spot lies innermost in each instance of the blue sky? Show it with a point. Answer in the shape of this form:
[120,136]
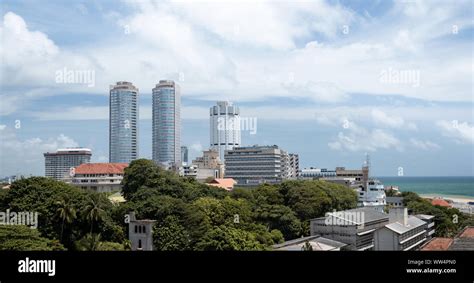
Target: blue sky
[329,80]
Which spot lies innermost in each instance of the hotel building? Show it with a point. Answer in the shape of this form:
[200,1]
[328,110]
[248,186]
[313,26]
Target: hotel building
[58,164]
[224,127]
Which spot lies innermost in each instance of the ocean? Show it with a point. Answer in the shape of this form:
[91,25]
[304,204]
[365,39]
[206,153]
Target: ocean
[446,186]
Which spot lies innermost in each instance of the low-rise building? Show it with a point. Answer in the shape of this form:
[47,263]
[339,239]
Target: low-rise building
[463,241]
[98,177]
[140,233]
[440,202]
[315,173]
[316,243]
[430,228]
[224,183]
[404,232]
[394,201]
[354,227]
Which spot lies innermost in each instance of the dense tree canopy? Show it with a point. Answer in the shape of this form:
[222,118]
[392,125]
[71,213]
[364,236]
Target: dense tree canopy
[23,238]
[189,215]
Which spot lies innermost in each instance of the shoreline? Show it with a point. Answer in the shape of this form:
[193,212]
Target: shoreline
[453,198]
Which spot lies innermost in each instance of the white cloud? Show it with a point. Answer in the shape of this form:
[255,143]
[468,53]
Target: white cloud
[381,118]
[361,139]
[462,132]
[424,145]
[249,52]
[26,156]
[197,148]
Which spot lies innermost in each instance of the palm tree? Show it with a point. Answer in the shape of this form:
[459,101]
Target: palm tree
[66,212]
[93,209]
[90,242]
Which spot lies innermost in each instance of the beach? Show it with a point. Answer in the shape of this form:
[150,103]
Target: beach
[459,202]
[457,199]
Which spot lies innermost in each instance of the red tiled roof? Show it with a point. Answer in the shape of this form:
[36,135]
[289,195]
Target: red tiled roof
[467,233]
[440,202]
[225,183]
[438,244]
[101,168]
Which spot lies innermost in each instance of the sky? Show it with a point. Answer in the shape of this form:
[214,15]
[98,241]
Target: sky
[328,80]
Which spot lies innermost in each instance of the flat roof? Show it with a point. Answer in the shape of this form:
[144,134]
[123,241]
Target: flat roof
[412,223]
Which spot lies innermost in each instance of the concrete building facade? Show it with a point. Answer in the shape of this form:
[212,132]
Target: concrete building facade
[254,165]
[224,127]
[404,232]
[98,177]
[59,164]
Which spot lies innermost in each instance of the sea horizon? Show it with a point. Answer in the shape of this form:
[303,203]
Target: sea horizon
[455,186]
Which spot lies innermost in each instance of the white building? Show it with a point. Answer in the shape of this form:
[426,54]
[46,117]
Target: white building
[140,233]
[404,232]
[98,177]
[373,195]
[59,163]
[224,127]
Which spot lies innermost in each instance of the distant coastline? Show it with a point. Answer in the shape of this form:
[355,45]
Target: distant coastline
[461,187]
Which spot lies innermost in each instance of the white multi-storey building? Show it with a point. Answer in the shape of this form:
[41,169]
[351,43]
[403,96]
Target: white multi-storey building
[224,127]
[98,177]
[59,163]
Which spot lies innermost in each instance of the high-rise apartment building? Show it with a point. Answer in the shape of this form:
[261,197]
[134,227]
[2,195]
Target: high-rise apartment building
[166,122]
[123,123]
[224,127]
[58,164]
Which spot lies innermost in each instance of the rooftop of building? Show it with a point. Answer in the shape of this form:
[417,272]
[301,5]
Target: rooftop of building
[412,223]
[101,168]
[123,85]
[438,244]
[71,151]
[394,199]
[467,232]
[464,241]
[370,215]
[225,183]
[317,242]
[424,216]
[440,202]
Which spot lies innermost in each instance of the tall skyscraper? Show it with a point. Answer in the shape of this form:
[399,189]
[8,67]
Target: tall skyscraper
[123,123]
[184,154]
[224,127]
[58,164]
[167,123]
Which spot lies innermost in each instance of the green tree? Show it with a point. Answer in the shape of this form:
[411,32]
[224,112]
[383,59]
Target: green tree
[93,210]
[137,175]
[170,235]
[90,242]
[224,238]
[66,212]
[23,238]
